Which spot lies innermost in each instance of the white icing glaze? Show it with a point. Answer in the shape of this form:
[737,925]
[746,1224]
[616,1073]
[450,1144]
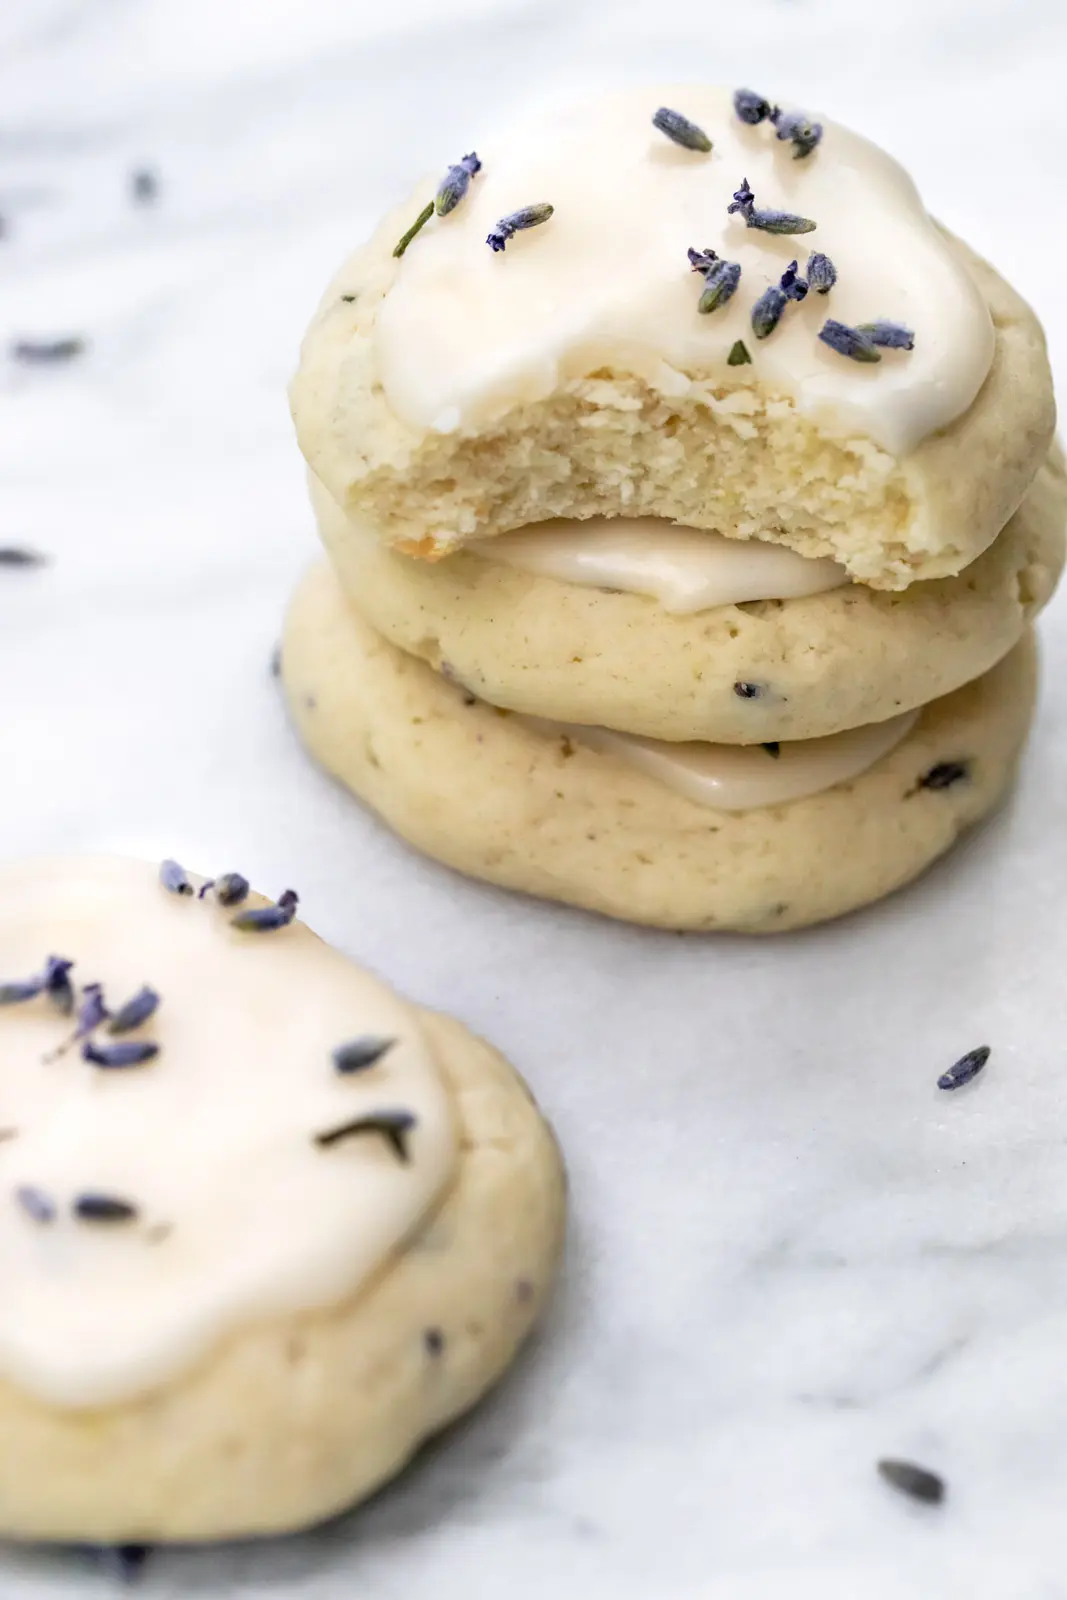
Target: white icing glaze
[464,334]
[212,1139]
[685,569]
[731,777]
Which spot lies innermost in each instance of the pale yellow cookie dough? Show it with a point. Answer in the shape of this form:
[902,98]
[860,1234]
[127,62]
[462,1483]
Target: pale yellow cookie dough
[725,455]
[808,666]
[480,791]
[289,1419]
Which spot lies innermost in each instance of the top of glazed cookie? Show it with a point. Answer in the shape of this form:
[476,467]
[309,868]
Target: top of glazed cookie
[853,358]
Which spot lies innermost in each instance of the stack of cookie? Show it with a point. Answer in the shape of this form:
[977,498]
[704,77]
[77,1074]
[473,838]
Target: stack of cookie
[690,494]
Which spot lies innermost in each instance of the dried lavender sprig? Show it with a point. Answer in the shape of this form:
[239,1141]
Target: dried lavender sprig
[455,183]
[137,1010]
[720,284]
[35,1203]
[798,127]
[507,227]
[94,1207]
[394,1126]
[744,204]
[359,1054]
[174,878]
[751,107]
[822,274]
[890,335]
[130,1053]
[966,1068]
[917,1482]
[848,341]
[420,222]
[681,130]
[739,356]
[267,918]
[767,312]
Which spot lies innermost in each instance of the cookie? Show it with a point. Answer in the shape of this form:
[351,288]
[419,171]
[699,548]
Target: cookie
[484,792]
[765,669]
[266,1226]
[459,391]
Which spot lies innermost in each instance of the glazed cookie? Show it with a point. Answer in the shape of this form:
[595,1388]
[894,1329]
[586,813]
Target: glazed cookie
[266,1226]
[793,668]
[539,810]
[495,375]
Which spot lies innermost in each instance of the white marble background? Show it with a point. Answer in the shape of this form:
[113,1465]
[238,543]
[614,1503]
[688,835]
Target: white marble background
[790,1255]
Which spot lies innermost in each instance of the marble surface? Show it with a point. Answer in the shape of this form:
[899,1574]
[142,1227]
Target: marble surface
[790,1254]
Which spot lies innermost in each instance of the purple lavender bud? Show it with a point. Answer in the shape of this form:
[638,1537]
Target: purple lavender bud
[719,285]
[507,227]
[767,312]
[751,107]
[358,1054]
[288,900]
[35,1203]
[94,1207]
[208,884]
[131,1053]
[13,994]
[57,985]
[779,222]
[92,1011]
[134,1012]
[455,183]
[701,260]
[267,918]
[890,335]
[743,201]
[848,341]
[966,1068]
[798,127]
[681,130]
[792,284]
[231,889]
[822,274]
[174,878]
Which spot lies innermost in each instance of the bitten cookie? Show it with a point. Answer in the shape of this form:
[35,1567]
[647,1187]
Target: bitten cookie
[266,1226]
[764,669]
[484,792]
[837,374]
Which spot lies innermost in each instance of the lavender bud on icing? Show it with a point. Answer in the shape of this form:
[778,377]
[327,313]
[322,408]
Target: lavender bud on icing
[890,335]
[231,889]
[57,985]
[767,312]
[266,919]
[507,227]
[93,1207]
[130,1053]
[359,1054]
[798,127]
[966,1068]
[681,130]
[743,200]
[701,260]
[174,878]
[751,107]
[792,285]
[134,1012]
[455,184]
[92,1011]
[720,283]
[744,204]
[35,1203]
[822,274]
[848,341]
[13,994]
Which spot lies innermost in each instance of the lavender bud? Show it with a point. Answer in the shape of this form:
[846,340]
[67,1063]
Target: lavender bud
[890,335]
[14,555]
[822,274]
[57,985]
[848,341]
[507,227]
[231,889]
[701,260]
[966,1068]
[103,1208]
[134,1012]
[792,284]
[92,1011]
[174,879]
[780,222]
[358,1054]
[420,222]
[743,201]
[798,127]
[13,994]
[681,130]
[719,285]
[131,1053]
[455,184]
[738,357]
[751,107]
[35,1203]
[267,918]
[767,312]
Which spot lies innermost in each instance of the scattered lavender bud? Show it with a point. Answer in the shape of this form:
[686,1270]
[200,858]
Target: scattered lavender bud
[767,312]
[507,227]
[822,274]
[792,285]
[681,130]
[288,900]
[720,283]
[966,1068]
[35,1203]
[92,1011]
[701,260]
[134,1012]
[420,222]
[773,748]
[890,335]
[744,204]
[358,1054]
[914,1481]
[130,1053]
[57,985]
[174,878]
[743,201]
[267,918]
[93,1207]
[394,1126]
[751,107]
[46,352]
[747,691]
[739,356]
[945,774]
[799,128]
[231,889]
[12,555]
[848,341]
[455,184]
[13,994]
